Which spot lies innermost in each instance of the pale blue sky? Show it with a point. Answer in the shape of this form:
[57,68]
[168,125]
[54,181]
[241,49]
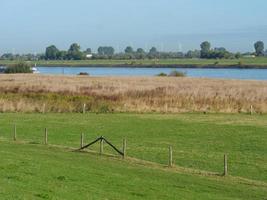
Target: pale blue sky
[31,25]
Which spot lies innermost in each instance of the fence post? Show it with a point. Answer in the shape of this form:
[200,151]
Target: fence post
[46,137]
[101,146]
[251,109]
[84,108]
[225,165]
[15,133]
[170,156]
[124,148]
[82,136]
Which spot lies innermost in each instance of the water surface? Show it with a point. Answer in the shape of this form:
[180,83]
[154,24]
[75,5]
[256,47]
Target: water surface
[253,74]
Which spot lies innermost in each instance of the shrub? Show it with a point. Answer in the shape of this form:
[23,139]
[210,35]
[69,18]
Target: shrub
[83,74]
[177,74]
[103,108]
[19,68]
[161,74]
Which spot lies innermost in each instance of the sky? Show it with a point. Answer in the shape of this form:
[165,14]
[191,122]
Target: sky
[28,26]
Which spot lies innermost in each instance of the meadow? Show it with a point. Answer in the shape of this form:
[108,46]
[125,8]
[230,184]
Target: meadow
[259,62]
[31,170]
[202,119]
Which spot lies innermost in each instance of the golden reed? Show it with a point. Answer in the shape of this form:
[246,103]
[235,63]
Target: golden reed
[137,94]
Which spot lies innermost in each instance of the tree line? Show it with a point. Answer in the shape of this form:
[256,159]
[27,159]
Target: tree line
[108,52]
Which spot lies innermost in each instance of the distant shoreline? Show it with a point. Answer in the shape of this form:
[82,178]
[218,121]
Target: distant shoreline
[159,66]
[243,63]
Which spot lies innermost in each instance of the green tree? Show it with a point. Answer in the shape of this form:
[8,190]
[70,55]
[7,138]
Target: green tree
[140,51]
[205,49]
[62,55]
[88,51]
[106,51]
[129,50]
[153,53]
[193,54]
[74,52]
[259,48]
[51,52]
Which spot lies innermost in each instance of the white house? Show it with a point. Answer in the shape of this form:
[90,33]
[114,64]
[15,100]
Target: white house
[89,56]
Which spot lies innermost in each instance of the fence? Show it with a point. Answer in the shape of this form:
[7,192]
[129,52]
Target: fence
[122,152]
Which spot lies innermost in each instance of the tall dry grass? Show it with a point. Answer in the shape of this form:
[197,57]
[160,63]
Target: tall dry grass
[137,94]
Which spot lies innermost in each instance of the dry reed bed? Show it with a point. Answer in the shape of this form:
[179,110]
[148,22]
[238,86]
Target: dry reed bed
[141,94]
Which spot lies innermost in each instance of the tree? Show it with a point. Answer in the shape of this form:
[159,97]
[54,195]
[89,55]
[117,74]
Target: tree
[51,52]
[140,51]
[129,50]
[153,50]
[193,54]
[259,48]
[74,52]
[88,51]
[74,47]
[62,55]
[153,53]
[106,51]
[205,48]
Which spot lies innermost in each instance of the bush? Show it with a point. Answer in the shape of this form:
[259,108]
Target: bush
[19,68]
[83,74]
[161,74]
[177,74]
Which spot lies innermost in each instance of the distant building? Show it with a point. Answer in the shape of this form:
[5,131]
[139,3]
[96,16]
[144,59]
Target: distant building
[89,56]
[249,56]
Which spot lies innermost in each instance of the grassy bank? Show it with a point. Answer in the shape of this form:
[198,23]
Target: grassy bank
[57,174]
[199,142]
[38,93]
[217,63]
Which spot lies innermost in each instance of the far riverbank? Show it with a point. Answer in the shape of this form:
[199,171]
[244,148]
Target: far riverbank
[244,63]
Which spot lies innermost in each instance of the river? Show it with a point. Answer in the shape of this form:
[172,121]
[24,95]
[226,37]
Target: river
[246,74]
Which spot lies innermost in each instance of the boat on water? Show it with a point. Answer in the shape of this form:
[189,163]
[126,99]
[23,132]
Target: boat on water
[35,70]
[2,69]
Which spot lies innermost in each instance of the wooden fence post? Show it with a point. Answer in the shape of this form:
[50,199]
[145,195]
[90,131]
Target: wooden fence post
[101,146]
[124,148]
[225,165]
[46,137]
[15,133]
[82,137]
[84,108]
[170,156]
[251,109]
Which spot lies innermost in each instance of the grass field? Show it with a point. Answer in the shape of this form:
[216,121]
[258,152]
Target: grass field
[243,62]
[31,170]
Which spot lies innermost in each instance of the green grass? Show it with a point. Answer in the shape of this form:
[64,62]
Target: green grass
[40,172]
[36,171]
[199,140]
[243,62]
